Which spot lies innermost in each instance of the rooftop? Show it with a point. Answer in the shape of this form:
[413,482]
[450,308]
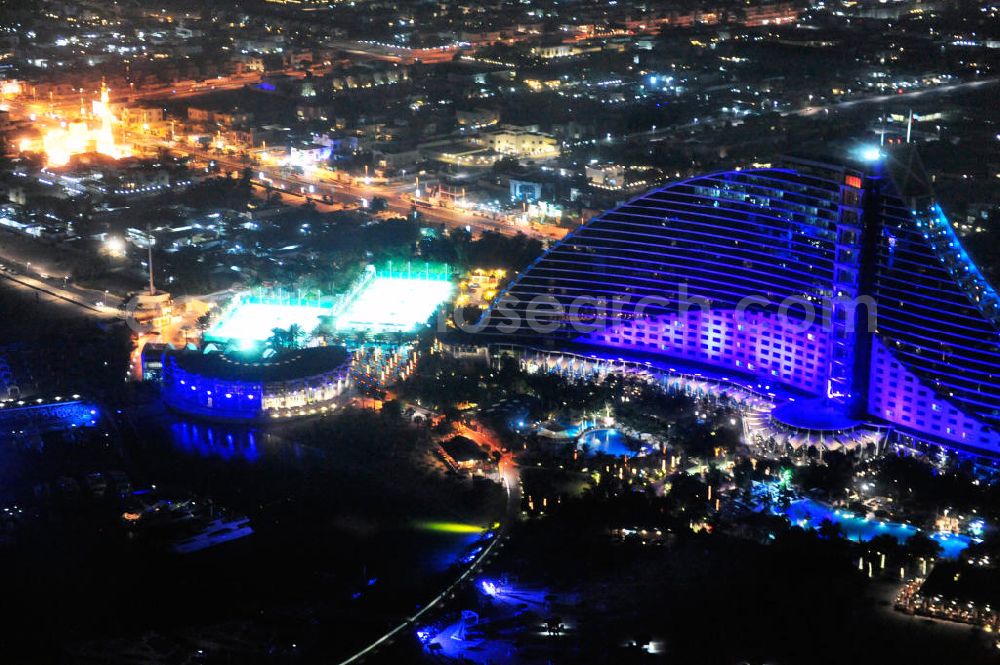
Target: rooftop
[815,415]
[285,366]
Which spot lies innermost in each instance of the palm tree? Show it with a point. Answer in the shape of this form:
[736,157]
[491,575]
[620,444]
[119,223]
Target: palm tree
[296,336]
[284,340]
[921,546]
[278,341]
[830,530]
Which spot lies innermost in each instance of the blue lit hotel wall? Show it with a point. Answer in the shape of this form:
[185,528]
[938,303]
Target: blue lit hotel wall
[935,363]
[697,248]
[815,233]
[209,396]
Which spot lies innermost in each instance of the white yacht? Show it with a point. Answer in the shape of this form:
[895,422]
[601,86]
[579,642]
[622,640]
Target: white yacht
[215,532]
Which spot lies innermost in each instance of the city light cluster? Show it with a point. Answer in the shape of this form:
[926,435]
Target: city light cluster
[94,134]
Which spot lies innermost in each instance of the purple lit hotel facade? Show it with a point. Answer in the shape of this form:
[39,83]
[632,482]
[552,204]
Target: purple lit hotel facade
[842,283]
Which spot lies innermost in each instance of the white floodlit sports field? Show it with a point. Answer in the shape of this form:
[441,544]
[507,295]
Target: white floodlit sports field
[394,304]
[386,304]
[253,322]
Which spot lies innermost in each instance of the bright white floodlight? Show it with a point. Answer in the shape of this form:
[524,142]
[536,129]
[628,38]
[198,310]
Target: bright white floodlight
[871,153]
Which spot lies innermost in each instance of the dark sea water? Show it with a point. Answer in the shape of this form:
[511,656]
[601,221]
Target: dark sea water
[339,554]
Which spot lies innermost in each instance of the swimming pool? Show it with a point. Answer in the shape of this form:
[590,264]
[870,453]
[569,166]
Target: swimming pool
[809,514]
[605,441]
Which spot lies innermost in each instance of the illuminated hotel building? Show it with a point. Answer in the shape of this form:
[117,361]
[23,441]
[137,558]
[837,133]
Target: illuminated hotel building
[714,257]
[293,383]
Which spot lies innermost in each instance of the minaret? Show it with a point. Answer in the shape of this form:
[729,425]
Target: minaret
[105,137]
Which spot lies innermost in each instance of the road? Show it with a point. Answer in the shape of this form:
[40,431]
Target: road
[662,133]
[27,264]
[345,191]
[66,106]
[882,99]
[54,294]
[396,201]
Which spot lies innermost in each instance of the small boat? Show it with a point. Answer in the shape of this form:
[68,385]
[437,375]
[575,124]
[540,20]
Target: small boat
[160,516]
[215,533]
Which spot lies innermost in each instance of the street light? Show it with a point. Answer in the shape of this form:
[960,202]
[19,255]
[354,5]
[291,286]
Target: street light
[114,246]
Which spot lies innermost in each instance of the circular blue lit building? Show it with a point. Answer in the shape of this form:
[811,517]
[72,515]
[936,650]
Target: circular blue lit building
[841,282]
[292,383]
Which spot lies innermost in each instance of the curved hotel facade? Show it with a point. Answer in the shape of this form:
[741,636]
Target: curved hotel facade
[293,383]
[841,283]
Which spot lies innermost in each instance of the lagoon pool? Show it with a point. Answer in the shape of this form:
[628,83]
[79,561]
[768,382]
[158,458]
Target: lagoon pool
[809,514]
[605,441]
